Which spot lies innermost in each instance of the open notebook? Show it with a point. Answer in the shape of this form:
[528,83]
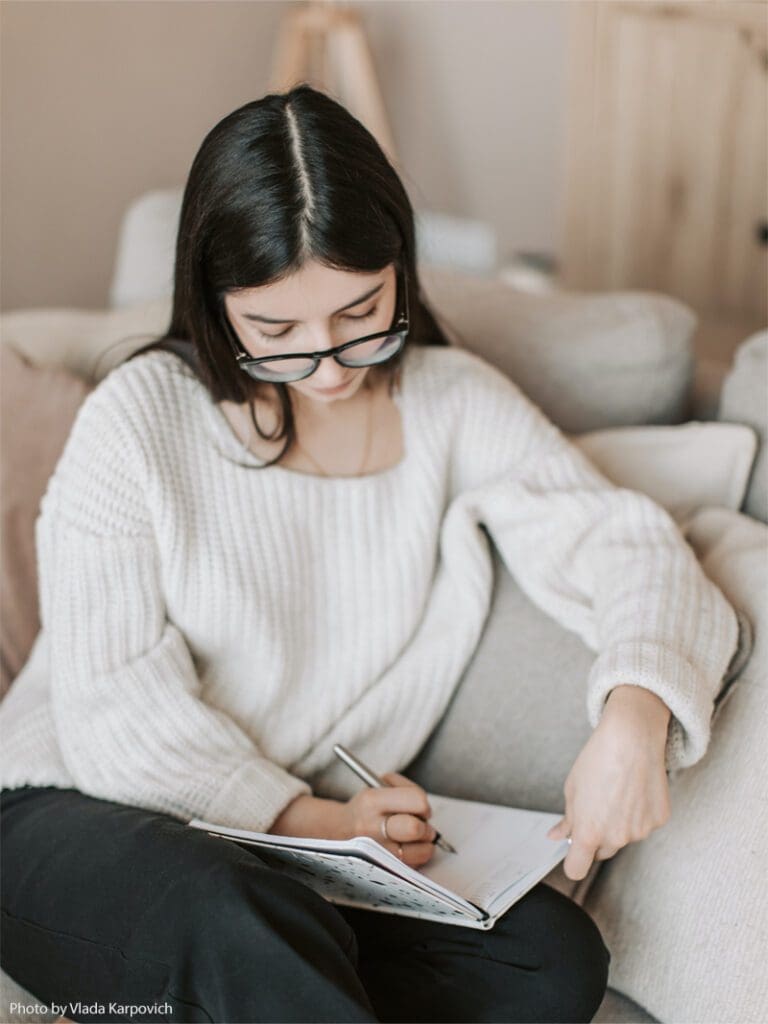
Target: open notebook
[502,852]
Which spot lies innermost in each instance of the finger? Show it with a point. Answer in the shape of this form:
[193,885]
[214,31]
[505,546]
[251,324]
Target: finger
[422,831]
[416,854]
[561,830]
[409,828]
[397,796]
[412,854]
[578,860]
[396,779]
[606,852]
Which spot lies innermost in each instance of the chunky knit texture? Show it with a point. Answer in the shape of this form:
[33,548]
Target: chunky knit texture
[210,630]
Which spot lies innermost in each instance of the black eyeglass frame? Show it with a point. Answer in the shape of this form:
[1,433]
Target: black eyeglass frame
[400,325]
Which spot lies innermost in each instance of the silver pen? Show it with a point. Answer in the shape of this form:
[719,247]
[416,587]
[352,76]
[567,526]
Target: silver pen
[371,779]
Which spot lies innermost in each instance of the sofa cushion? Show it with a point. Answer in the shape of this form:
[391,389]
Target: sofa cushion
[146,248]
[682,468]
[20,1006]
[38,407]
[588,360]
[86,342]
[684,911]
[617,1009]
[744,399]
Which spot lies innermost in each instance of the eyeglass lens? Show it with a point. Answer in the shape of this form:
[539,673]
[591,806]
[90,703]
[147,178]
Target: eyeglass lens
[362,353]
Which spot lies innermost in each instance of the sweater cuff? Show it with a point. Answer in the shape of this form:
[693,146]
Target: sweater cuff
[678,682]
[254,796]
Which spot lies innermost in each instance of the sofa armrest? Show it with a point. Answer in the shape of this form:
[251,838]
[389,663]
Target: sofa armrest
[684,908]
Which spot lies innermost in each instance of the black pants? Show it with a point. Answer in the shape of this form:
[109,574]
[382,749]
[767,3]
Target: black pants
[138,917]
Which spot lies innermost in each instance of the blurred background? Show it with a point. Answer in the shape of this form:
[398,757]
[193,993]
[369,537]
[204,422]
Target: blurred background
[574,145]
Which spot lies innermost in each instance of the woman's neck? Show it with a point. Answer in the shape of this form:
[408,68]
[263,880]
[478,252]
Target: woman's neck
[332,435]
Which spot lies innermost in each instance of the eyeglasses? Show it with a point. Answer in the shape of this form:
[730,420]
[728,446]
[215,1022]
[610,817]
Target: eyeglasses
[366,351]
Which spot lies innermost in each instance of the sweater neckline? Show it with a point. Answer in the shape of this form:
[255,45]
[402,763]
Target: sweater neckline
[236,451]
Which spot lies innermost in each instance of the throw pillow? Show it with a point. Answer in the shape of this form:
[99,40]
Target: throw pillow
[682,468]
[38,407]
[589,361]
[744,399]
[86,342]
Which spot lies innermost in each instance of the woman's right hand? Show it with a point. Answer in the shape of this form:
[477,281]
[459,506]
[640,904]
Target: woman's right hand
[402,802]
[405,807]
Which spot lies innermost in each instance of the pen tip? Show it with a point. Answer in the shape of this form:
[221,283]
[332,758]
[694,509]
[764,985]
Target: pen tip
[445,845]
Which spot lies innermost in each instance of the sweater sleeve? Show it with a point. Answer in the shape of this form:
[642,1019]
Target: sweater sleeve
[606,562]
[130,718]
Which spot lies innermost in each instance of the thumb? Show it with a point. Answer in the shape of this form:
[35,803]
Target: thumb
[560,830]
[396,779]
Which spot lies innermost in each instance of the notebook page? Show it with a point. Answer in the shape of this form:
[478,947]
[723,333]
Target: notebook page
[497,848]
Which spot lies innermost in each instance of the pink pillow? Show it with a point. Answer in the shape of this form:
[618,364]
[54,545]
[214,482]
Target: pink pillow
[37,408]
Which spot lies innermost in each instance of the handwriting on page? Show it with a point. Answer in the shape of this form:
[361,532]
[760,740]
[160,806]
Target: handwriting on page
[349,879]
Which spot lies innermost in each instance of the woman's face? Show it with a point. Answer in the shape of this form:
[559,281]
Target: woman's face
[315,309]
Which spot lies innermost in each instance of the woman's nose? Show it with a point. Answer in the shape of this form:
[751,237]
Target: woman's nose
[329,374]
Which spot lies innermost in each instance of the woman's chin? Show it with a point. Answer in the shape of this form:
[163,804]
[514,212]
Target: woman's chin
[327,395]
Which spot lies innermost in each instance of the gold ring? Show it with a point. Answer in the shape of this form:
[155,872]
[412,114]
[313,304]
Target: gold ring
[400,850]
[384,821]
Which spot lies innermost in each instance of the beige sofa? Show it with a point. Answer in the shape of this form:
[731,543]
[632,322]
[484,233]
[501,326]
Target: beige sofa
[684,912]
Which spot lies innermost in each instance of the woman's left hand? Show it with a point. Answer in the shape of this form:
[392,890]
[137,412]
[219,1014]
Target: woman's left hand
[617,791]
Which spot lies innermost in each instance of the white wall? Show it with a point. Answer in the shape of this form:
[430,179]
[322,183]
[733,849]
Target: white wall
[476,94]
[102,101]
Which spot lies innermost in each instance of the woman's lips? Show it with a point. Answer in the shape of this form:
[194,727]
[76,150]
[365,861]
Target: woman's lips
[333,391]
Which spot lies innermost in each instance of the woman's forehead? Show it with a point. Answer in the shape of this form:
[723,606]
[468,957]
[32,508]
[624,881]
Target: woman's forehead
[312,291]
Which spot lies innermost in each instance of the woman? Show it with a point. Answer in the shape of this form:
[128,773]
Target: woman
[262,539]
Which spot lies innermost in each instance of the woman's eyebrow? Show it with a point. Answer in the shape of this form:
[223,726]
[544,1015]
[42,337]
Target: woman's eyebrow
[271,320]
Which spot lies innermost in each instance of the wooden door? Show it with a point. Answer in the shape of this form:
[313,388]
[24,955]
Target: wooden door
[666,170]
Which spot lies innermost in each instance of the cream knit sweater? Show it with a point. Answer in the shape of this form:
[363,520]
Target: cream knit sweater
[210,630]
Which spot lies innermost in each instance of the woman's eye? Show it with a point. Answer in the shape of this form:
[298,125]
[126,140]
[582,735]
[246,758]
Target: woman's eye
[349,316]
[282,334]
[362,316]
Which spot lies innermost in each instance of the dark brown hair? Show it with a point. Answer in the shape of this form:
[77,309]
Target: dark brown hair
[280,181]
